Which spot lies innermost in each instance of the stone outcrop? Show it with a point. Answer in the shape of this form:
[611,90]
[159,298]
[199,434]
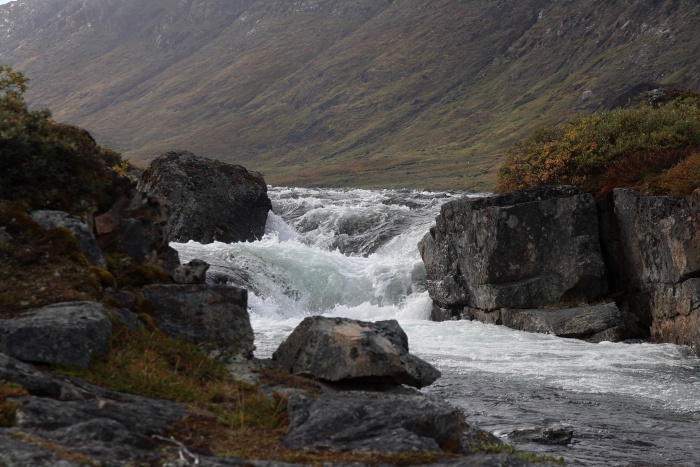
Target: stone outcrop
[518,260]
[519,250]
[346,350]
[212,200]
[213,315]
[373,423]
[67,334]
[500,259]
[82,233]
[136,227]
[659,238]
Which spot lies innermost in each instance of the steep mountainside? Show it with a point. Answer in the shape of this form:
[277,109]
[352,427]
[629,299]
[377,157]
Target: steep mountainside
[414,93]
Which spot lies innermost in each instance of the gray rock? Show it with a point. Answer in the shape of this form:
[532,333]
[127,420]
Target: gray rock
[366,422]
[35,382]
[560,435]
[581,322]
[61,334]
[85,237]
[213,315]
[520,250]
[660,241]
[194,272]
[212,200]
[341,349]
[17,453]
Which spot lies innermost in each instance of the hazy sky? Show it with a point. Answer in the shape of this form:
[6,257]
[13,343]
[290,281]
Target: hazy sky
[4,1]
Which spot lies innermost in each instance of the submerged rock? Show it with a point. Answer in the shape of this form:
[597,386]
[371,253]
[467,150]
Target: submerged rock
[212,200]
[342,350]
[67,334]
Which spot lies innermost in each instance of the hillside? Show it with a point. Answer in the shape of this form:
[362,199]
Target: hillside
[404,93]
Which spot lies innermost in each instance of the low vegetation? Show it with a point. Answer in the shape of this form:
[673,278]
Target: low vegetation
[654,147]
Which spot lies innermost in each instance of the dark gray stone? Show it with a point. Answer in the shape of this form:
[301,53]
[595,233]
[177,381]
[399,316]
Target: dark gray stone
[35,382]
[61,334]
[560,435]
[213,315]
[660,243]
[366,422]
[84,236]
[17,453]
[212,200]
[341,349]
[520,250]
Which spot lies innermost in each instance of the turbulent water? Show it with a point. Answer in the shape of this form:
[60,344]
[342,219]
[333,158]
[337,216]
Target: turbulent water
[353,253]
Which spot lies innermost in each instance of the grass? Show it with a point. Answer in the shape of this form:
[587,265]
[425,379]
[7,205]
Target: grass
[8,407]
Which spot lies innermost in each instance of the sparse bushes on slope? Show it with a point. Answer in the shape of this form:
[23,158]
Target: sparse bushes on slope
[655,148]
[50,165]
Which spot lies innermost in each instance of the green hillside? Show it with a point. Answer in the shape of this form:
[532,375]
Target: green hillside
[366,93]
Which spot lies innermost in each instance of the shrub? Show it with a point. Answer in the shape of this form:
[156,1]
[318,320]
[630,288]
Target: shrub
[50,165]
[621,147]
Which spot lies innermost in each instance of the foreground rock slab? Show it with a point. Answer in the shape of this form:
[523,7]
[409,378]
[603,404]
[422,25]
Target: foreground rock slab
[365,422]
[213,315]
[212,200]
[67,334]
[342,350]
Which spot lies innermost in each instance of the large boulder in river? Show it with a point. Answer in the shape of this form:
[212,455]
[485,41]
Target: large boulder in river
[346,350]
[212,200]
[660,243]
[519,250]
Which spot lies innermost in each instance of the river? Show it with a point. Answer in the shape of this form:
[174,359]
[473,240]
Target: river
[352,253]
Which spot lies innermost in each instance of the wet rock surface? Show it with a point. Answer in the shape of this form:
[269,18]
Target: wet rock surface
[212,200]
[346,350]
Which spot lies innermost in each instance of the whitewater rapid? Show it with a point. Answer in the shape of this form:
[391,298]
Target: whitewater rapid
[353,253]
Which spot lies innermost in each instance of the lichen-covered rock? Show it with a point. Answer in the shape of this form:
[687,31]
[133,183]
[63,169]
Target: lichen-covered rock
[341,349]
[213,315]
[212,200]
[67,334]
[365,422]
[519,250]
[660,241]
[84,236]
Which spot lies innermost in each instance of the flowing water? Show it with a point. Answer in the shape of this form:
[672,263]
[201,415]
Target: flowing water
[352,253]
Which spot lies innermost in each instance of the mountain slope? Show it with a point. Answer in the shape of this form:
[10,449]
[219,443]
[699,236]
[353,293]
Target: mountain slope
[415,93]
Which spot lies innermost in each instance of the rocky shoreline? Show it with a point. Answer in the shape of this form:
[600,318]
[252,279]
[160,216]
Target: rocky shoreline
[358,405]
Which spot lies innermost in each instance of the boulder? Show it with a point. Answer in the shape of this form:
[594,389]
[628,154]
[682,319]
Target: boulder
[366,422]
[215,316]
[67,334]
[212,200]
[521,250]
[82,233]
[342,350]
[660,243]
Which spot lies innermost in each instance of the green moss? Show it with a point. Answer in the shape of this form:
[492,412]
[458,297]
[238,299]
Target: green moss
[8,407]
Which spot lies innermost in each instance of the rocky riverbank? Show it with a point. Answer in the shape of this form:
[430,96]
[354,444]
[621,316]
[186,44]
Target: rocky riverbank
[134,360]
[553,260]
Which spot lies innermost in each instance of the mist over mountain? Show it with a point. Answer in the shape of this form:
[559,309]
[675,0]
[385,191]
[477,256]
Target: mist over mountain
[403,93]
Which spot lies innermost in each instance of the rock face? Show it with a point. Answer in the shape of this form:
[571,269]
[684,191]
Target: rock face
[341,349]
[520,250]
[660,243]
[62,334]
[212,200]
[501,259]
[86,239]
[373,423]
[213,315]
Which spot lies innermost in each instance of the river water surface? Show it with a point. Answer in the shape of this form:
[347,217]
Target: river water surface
[353,253]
